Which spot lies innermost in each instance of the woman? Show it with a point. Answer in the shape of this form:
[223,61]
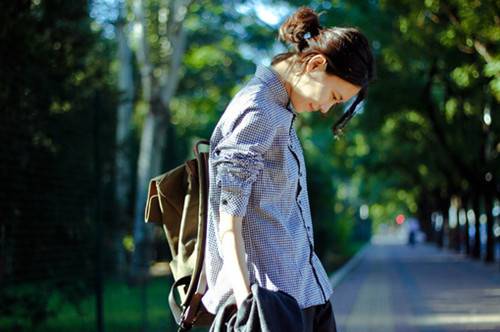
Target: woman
[259,227]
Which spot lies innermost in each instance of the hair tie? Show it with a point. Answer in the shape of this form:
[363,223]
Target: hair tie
[307,35]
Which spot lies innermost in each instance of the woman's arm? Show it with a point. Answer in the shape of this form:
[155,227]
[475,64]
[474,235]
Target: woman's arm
[238,159]
[233,249]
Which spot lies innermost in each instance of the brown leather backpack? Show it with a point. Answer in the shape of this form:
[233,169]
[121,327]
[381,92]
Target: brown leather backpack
[177,200]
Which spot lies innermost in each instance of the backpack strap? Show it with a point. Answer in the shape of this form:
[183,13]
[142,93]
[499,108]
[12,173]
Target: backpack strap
[174,306]
[192,310]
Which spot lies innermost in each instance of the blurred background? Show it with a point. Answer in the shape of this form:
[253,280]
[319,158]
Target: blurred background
[97,97]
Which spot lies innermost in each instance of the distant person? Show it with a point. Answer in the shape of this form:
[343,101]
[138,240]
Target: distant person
[259,225]
[413,229]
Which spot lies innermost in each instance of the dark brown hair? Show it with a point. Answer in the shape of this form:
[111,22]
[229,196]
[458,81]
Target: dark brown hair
[346,50]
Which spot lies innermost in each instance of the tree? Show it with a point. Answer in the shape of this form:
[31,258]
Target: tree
[157,90]
[55,78]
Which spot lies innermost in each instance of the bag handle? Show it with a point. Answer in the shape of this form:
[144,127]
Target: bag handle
[196,149]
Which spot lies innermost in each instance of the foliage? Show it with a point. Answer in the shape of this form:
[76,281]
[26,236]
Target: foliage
[428,130]
[434,133]
[55,81]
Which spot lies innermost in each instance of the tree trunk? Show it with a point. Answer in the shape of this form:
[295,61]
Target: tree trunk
[157,93]
[444,210]
[465,206]
[143,234]
[490,237]
[476,249]
[440,230]
[454,229]
[123,161]
[424,216]
[152,138]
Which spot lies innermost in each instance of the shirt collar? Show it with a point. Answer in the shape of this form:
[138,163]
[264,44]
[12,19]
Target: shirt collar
[278,91]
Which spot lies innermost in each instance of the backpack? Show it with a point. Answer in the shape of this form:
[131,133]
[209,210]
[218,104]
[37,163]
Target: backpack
[177,200]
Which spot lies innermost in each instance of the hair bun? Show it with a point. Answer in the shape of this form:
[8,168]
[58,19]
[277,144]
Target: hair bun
[304,20]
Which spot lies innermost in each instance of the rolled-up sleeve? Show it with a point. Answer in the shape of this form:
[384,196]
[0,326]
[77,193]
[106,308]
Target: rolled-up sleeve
[239,158]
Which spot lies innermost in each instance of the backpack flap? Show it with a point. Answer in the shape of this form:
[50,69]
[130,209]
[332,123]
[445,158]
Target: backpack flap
[152,212]
[178,198]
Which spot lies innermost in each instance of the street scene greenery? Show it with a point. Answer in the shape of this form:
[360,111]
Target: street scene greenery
[99,96]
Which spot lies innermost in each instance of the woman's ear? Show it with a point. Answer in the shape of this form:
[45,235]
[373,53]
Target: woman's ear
[317,62]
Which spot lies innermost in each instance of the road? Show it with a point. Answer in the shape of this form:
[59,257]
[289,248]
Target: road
[394,287]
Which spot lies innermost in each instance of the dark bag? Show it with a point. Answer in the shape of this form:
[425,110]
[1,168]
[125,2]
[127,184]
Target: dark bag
[177,200]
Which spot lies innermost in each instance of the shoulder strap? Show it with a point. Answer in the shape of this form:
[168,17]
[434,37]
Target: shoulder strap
[202,163]
[196,287]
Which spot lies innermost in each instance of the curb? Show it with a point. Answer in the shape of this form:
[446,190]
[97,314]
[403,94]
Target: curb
[337,277]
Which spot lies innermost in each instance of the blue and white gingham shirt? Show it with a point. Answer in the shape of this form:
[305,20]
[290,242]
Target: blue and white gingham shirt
[257,170]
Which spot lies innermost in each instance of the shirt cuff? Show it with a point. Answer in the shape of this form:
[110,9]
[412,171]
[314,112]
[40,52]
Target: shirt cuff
[233,203]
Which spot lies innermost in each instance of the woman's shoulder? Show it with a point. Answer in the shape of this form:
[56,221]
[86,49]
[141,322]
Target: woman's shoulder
[255,96]
[258,104]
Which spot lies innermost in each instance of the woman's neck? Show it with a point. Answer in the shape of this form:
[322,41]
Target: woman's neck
[286,72]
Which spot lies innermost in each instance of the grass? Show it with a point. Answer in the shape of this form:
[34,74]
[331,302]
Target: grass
[123,308]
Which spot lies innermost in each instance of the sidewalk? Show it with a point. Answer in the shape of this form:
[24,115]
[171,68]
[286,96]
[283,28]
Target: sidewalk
[394,287]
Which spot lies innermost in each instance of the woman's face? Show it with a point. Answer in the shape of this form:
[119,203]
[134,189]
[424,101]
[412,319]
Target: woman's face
[315,90]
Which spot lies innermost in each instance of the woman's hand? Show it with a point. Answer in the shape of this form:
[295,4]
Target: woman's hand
[233,250]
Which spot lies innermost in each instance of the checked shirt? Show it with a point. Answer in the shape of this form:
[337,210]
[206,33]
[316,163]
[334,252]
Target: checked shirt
[257,171]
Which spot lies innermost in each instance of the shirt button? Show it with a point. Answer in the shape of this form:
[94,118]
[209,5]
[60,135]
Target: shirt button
[217,152]
[224,202]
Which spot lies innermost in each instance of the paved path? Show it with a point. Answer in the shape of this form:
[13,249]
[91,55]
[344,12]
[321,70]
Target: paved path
[394,287]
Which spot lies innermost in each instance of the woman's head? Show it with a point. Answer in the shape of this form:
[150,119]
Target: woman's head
[327,63]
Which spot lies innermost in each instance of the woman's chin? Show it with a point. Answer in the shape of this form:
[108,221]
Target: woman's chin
[306,109]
